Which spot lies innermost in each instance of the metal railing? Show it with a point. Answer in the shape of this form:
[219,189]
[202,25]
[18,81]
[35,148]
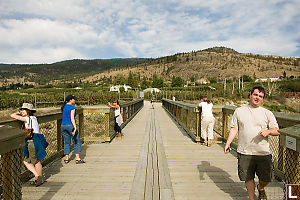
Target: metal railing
[189,117]
[13,171]
[101,120]
[11,142]
[284,148]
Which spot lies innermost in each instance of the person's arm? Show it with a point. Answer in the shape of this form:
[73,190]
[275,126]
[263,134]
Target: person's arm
[233,132]
[18,116]
[272,131]
[111,105]
[73,121]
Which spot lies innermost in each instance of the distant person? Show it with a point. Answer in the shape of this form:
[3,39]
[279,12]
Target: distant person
[173,98]
[253,124]
[118,118]
[35,147]
[152,103]
[69,129]
[207,121]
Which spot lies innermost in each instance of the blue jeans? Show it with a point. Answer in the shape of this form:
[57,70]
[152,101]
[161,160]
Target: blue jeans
[67,133]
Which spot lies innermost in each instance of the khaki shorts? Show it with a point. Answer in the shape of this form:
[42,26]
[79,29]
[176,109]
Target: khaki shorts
[249,165]
[31,159]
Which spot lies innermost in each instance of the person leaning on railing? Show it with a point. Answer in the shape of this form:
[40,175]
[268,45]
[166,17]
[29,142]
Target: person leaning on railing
[253,124]
[34,149]
[69,129]
[207,121]
[118,117]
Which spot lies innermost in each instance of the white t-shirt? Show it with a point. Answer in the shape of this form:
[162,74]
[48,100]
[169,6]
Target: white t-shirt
[249,121]
[206,109]
[33,124]
[117,112]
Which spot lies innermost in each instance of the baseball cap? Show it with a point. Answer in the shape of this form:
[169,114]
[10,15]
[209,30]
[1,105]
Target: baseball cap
[70,97]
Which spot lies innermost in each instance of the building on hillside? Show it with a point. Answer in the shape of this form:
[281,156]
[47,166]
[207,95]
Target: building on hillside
[267,79]
[152,90]
[202,81]
[116,88]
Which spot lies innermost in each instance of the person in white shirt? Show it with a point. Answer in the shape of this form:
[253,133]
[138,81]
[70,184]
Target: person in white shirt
[35,147]
[254,124]
[118,118]
[207,121]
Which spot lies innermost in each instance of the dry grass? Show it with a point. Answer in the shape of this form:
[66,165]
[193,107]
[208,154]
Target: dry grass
[206,65]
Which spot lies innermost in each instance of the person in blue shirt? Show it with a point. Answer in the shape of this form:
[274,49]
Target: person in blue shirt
[69,129]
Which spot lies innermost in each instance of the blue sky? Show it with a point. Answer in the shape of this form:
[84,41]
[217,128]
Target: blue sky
[43,31]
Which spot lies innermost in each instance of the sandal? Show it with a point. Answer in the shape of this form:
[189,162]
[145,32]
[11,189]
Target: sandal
[80,161]
[39,181]
[33,183]
[66,161]
[262,194]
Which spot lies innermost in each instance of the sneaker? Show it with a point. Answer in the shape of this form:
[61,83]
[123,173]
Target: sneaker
[261,194]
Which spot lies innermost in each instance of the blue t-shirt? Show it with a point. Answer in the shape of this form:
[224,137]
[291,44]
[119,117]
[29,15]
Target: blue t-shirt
[66,113]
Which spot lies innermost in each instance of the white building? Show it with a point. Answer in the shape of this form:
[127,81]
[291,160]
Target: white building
[116,88]
[266,79]
[152,90]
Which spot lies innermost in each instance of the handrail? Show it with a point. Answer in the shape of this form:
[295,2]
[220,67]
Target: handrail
[11,142]
[188,116]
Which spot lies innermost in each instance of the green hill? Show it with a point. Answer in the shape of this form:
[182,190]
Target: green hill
[63,71]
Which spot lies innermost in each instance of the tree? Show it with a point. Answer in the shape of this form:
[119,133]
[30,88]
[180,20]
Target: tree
[246,78]
[284,75]
[145,84]
[157,82]
[177,82]
[193,79]
[132,80]
[212,80]
[122,89]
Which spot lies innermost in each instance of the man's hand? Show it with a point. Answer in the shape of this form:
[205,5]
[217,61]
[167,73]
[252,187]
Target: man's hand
[264,132]
[227,148]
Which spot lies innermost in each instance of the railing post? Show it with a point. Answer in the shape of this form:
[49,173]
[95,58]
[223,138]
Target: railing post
[198,129]
[59,135]
[106,121]
[81,127]
[11,142]
[225,126]
[187,118]
[11,167]
[292,173]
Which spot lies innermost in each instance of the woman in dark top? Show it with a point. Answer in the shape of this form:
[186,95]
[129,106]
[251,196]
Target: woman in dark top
[69,129]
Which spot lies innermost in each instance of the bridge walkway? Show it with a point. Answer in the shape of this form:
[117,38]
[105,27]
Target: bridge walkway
[154,160]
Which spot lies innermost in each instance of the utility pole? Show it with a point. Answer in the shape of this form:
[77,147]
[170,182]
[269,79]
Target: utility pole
[224,87]
[239,83]
[232,86]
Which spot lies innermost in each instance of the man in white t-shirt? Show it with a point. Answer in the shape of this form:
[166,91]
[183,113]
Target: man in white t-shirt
[253,124]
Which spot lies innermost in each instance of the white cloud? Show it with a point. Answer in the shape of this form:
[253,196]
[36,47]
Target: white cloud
[128,28]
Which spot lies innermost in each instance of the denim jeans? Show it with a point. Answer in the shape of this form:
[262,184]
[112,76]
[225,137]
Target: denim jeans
[67,133]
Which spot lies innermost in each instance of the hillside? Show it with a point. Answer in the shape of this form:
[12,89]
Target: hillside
[70,70]
[217,62]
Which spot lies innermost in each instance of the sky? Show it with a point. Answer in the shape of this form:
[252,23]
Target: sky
[48,31]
